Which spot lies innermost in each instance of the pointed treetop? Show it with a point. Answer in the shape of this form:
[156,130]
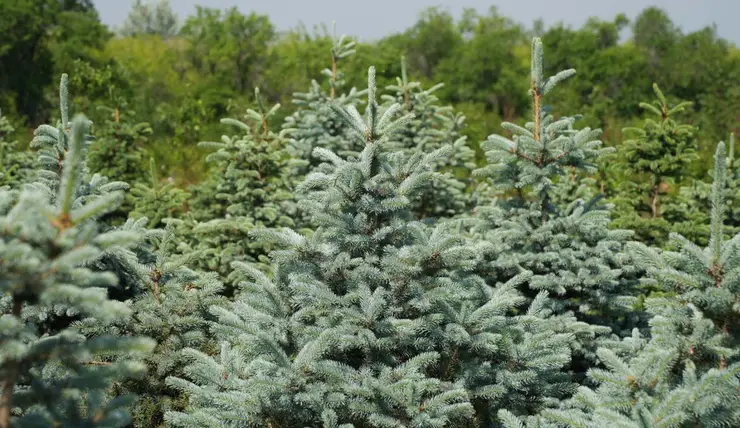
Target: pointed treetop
[64,100]
[731,155]
[660,107]
[540,84]
[718,201]
[373,128]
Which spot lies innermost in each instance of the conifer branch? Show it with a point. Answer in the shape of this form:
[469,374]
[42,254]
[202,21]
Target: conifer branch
[11,375]
[333,76]
[536,102]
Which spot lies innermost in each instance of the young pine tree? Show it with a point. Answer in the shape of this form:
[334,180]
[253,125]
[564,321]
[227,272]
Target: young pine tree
[432,127]
[687,374]
[49,238]
[314,123]
[656,159]
[564,244]
[374,320]
[251,188]
[173,309]
[157,201]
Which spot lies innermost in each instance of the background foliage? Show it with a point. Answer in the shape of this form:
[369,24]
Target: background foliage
[181,75]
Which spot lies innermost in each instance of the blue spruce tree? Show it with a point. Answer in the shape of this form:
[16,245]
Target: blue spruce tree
[564,245]
[432,127]
[374,320]
[50,244]
[687,372]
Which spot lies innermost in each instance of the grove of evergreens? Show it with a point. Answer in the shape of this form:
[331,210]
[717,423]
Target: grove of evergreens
[210,223]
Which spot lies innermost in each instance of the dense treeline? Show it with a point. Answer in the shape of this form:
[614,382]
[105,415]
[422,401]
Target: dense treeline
[182,75]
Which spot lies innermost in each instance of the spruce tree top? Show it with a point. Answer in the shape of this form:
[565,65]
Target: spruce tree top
[542,149]
[313,124]
[662,147]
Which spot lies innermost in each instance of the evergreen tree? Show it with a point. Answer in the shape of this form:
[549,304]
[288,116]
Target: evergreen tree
[15,165]
[432,127]
[117,152]
[49,238]
[314,123]
[173,310]
[250,188]
[374,320]
[534,227]
[657,158]
[687,374]
[157,201]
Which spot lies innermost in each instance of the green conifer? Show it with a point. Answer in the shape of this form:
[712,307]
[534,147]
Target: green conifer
[654,161]
[118,151]
[374,320]
[432,127]
[534,227]
[156,200]
[49,238]
[15,164]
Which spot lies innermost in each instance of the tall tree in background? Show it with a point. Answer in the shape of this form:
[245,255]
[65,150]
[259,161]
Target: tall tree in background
[654,32]
[487,67]
[229,45]
[41,39]
[431,40]
[153,17]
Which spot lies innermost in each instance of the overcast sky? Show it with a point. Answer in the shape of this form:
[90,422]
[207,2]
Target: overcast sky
[372,19]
